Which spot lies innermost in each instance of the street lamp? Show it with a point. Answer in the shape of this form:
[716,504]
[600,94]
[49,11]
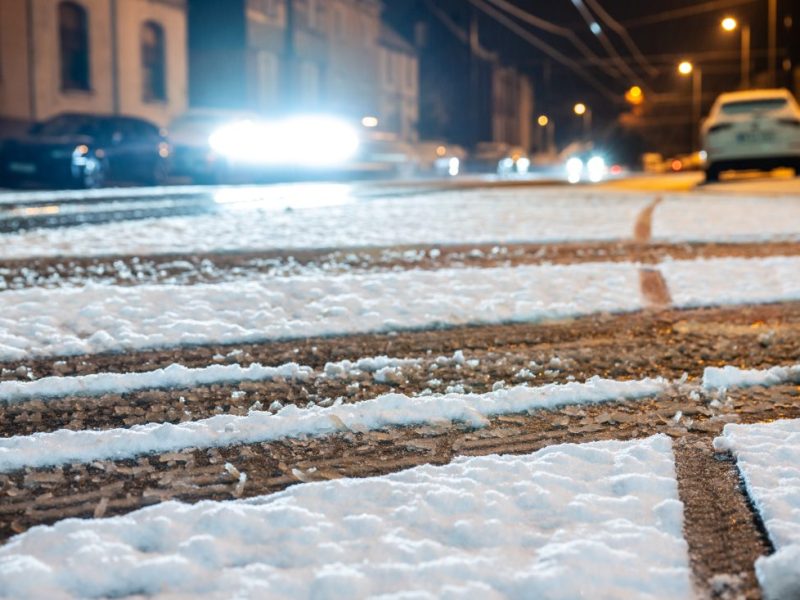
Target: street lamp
[548,135]
[730,24]
[585,113]
[686,68]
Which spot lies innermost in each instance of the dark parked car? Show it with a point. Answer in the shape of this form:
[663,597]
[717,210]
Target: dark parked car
[86,151]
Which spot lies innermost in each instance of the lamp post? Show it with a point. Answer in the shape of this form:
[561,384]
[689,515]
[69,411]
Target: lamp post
[585,113]
[730,24]
[547,133]
[686,68]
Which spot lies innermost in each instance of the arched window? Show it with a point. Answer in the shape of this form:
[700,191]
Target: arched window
[154,71]
[73,36]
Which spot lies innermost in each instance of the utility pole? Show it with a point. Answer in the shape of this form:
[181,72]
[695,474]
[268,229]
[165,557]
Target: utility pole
[474,74]
[288,67]
[746,44]
[773,41]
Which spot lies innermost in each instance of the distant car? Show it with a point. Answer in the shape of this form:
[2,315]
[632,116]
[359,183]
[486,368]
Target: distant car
[502,159]
[382,154]
[439,158]
[86,151]
[687,162]
[755,129]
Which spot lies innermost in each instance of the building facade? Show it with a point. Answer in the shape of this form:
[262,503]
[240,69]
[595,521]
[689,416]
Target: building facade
[399,81]
[95,56]
[271,56]
[467,94]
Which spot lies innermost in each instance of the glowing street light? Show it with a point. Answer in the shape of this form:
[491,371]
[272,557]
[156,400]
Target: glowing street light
[686,68]
[585,113]
[543,121]
[370,122]
[730,24]
[634,96]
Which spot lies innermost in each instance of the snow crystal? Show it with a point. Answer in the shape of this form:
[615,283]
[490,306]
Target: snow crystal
[768,457]
[390,410]
[600,520]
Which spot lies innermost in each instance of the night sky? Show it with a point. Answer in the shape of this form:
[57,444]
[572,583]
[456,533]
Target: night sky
[698,37]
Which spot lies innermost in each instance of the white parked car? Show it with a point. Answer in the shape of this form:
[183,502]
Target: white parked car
[754,129]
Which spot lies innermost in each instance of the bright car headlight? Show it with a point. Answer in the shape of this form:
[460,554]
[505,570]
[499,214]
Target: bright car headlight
[574,169]
[454,166]
[596,168]
[317,140]
[523,165]
[297,141]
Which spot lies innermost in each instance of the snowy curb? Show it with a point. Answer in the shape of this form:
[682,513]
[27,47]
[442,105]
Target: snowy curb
[391,410]
[174,377]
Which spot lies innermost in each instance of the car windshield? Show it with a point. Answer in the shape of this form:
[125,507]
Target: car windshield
[747,106]
[66,125]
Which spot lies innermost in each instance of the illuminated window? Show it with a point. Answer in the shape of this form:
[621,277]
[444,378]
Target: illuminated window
[154,80]
[73,37]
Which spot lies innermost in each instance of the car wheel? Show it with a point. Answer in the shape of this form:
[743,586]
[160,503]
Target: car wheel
[712,174]
[93,174]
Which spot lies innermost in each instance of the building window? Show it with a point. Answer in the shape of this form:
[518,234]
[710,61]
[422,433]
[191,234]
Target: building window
[154,80]
[73,31]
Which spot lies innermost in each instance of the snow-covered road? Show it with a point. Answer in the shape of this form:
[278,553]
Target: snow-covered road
[601,519]
[333,219]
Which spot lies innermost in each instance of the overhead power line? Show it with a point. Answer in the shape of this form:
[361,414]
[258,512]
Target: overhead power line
[460,33]
[565,32]
[544,47]
[623,33]
[684,13]
[600,34]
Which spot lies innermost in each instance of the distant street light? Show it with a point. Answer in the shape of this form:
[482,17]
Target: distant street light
[543,120]
[686,68]
[370,122]
[730,24]
[585,114]
[634,96]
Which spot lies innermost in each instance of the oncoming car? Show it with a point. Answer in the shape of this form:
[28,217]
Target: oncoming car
[756,129]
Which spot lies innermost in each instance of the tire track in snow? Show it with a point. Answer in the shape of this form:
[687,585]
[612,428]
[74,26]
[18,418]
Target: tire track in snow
[653,286]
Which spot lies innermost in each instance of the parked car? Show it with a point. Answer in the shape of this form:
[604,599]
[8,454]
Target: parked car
[755,129]
[86,151]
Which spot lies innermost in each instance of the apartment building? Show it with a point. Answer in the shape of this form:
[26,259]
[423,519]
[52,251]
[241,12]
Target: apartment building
[99,56]
[298,55]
